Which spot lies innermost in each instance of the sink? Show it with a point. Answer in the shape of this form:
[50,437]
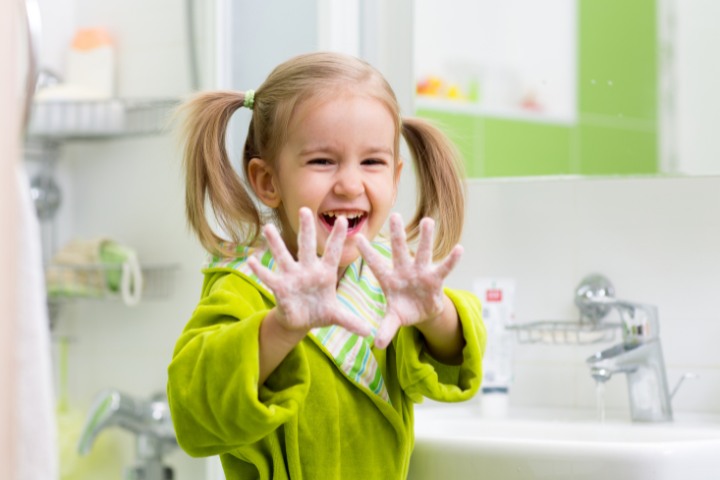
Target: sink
[458,443]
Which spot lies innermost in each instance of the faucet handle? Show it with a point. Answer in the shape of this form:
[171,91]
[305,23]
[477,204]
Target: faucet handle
[685,376]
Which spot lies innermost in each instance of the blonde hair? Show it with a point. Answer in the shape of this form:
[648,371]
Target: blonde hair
[211,179]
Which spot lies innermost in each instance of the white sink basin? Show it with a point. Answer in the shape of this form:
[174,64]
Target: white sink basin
[457,443]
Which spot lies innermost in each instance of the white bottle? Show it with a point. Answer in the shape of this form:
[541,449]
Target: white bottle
[89,70]
[497,298]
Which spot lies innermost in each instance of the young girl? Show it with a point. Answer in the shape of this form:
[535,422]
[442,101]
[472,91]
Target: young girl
[309,348]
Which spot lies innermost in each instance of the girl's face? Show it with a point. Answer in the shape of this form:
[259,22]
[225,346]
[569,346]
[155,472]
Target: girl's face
[339,159]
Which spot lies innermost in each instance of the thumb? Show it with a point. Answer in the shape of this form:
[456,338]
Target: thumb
[388,328]
[352,323]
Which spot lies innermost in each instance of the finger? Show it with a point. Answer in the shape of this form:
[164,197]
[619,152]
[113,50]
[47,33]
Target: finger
[377,263]
[277,247]
[398,240]
[351,323]
[307,238]
[267,276]
[424,251]
[446,266]
[336,242]
[388,328]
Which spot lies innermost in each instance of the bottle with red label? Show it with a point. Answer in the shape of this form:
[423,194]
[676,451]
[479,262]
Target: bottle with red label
[497,299]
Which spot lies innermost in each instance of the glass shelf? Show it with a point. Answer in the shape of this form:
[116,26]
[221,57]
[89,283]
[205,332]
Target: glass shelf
[98,119]
[69,283]
[481,110]
[550,332]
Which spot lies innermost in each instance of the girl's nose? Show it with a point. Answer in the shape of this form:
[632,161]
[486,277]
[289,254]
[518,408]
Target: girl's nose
[348,183]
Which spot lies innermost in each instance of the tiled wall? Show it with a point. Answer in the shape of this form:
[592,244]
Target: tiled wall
[658,241]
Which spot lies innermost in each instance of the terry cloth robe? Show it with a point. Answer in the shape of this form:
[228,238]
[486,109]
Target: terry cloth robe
[315,416]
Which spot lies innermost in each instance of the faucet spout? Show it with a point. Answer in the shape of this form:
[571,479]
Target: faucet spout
[109,408]
[603,374]
[604,364]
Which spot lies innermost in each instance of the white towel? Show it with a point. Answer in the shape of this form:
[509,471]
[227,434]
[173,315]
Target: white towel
[36,447]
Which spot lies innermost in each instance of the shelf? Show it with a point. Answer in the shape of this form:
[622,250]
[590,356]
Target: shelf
[480,110]
[68,283]
[564,333]
[98,119]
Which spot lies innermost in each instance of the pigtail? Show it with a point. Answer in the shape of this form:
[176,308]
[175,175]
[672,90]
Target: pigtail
[440,186]
[210,175]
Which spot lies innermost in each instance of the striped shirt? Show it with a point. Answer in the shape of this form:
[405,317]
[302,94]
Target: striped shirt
[358,291]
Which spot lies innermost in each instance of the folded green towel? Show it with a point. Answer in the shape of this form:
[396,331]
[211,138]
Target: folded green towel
[95,268]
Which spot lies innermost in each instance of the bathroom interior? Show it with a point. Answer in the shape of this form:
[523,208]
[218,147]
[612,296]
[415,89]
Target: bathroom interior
[587,128]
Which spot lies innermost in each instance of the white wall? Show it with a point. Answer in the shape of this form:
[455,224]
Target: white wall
[696,77]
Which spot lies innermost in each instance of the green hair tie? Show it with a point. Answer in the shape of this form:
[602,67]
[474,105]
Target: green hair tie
[249,99]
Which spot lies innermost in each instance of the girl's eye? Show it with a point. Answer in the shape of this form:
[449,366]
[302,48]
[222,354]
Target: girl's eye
[320,161]
[374,161]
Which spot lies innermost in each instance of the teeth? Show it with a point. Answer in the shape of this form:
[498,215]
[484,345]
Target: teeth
[348,215]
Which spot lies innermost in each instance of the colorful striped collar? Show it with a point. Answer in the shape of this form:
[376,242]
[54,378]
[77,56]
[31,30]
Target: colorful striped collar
[358,291]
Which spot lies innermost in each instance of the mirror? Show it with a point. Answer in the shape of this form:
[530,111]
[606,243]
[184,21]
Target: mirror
[525,88]
[572,87]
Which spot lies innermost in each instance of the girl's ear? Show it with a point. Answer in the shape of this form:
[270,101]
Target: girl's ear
[398,170]
[262,181]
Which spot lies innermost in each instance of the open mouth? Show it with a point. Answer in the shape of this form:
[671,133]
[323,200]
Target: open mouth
[355,218]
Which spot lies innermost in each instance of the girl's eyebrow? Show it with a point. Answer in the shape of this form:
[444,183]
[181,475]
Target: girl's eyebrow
[385,150]
[373,149]
[307,150]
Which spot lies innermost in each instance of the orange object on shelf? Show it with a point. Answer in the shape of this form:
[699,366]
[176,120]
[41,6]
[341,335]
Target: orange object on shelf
[91,38]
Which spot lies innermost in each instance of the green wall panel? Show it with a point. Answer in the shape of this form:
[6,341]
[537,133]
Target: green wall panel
[618,82]
[617,151]
[618,58]
[465,131]
[517,148]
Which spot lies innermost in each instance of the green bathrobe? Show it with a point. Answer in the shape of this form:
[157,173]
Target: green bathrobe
[312,418]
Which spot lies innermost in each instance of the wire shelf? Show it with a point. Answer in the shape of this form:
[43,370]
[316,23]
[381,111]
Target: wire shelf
[67,283]
[94,119]
[550,332]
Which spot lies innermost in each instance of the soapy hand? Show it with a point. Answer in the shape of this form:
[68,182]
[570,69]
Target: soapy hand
[412,287]
[305,290]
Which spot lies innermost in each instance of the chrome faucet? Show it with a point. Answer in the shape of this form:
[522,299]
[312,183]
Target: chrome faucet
[639,356]
[149,420]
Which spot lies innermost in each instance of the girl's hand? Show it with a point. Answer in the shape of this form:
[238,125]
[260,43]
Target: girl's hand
[412,287]
[305,290]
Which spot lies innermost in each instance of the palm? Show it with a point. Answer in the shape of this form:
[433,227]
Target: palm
[305,290]
[412,287]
